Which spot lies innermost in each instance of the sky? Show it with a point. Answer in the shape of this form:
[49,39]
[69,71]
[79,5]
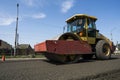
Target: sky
[41,20]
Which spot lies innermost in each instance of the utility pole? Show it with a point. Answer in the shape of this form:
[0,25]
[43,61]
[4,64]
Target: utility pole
[112,33]
[111,36]
[16,31]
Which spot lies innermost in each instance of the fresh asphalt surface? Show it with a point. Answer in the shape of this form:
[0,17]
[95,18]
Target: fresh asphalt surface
[42,69]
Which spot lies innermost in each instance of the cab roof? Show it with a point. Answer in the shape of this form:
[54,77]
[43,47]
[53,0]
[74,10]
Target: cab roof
[76,16]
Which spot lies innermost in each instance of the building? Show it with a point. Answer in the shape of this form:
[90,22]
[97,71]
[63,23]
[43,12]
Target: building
[5,48]
[24,49]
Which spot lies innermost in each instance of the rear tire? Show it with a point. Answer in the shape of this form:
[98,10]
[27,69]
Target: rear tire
[103,50]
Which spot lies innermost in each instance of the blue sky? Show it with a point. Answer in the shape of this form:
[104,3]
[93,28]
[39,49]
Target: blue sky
[40,20]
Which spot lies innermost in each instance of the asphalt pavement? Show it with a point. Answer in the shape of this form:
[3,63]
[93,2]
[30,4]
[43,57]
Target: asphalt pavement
[42,69]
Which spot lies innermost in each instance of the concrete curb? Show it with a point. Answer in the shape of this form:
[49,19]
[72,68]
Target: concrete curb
[21,59]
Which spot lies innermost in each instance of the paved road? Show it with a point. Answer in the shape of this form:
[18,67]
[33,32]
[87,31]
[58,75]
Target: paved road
[45,70]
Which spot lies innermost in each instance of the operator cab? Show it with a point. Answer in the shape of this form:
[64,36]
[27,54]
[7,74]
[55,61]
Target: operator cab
[83,25]
[79,22]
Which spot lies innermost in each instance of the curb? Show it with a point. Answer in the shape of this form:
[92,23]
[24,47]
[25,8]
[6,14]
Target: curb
[21,59]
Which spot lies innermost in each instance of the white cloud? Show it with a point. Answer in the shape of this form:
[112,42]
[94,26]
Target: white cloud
[39,16]
[66,5]
[6,21]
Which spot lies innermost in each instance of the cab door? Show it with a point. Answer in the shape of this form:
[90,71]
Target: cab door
[91,31]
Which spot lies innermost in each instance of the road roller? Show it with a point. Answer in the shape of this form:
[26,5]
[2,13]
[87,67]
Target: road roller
[81,40]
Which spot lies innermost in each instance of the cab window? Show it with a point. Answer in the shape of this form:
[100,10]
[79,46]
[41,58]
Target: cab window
[91,24]
[76,25]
